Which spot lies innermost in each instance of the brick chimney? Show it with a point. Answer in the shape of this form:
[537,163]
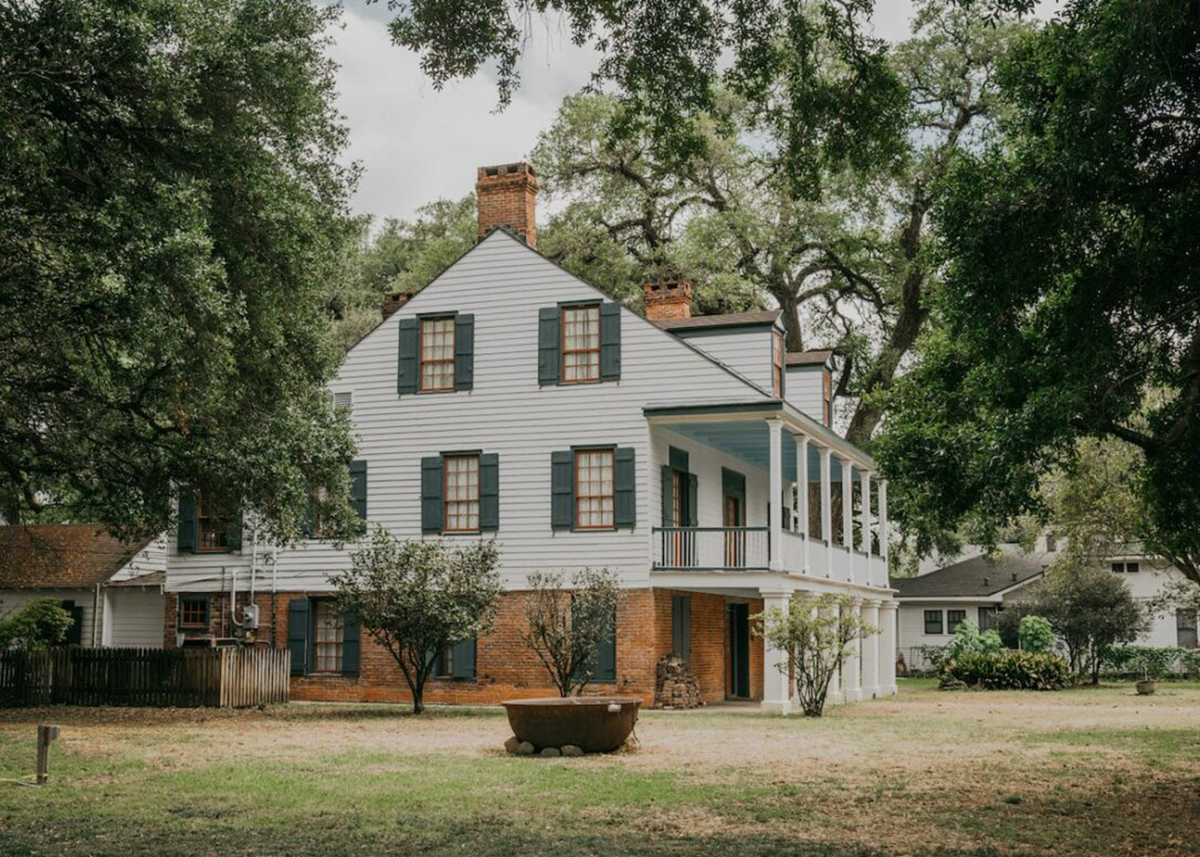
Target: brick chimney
[668,300]
[393,301]
[506,196]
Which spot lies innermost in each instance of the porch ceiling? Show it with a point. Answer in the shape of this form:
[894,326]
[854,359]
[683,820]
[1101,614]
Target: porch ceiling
[749,441]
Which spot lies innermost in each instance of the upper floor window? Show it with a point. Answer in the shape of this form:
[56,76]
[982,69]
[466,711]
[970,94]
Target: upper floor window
[1125,567]
[594,489]
[581,344]
[328,637]
[461,493]
[437,354]
[212,525]
[777,353]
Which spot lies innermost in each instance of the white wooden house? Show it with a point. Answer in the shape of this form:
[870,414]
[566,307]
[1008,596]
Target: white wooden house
[114,590]
[511,400]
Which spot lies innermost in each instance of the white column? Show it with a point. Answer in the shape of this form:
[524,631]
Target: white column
[865,480]
[777,697]
[887,648]
[851,684]
[883,521]
[847,504]
[802,494]
[834,697]
[775,436]
[870,650]
[827,510]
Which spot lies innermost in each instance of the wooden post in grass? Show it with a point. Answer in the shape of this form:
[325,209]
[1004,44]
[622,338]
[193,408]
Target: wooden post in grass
[45,735]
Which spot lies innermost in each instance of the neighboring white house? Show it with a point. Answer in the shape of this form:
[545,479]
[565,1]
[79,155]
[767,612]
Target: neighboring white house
[114,590]
[933,603]
[511,400]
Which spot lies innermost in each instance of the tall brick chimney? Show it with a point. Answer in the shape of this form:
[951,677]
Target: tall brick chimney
[506,195]
[668,300]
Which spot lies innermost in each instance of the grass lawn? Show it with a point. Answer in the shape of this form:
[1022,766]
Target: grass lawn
[1078,772]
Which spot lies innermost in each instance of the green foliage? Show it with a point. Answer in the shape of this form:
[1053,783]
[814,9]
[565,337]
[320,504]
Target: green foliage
[1036,635]
[418,597]
[173,209]
[1068,310]
[1147,662]
[566,625]
[37,625]
[816,633]
[1006,670]
[968,640]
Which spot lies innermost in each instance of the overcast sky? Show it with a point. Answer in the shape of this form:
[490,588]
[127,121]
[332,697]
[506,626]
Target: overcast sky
[416,144]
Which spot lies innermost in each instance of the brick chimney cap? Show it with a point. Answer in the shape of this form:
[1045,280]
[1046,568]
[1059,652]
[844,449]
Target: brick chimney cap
[507,169]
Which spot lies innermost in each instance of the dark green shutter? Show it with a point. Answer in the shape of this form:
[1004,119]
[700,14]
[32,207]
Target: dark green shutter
[409,336]
[489,491]
[562,490]
[464,352]
[677,458]
[234,539]
[297,634]
[668,505]
[75,632]
[187,522]
[358,488]
[464,659]
[624,488]
[549,354]
[606,657]
[351,645]
[681,627]
[610,341]
[431,494]
[693,492]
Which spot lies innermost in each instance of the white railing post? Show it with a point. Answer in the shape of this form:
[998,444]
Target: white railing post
[775,525]
[802,494]
[827,509]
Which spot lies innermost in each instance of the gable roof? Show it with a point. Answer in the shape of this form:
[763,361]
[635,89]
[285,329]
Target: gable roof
[61,556]
[731,319]
[978,577]
[810,358]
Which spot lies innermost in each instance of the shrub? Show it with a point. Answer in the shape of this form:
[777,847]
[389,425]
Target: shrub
[968,640]
[38,624]
[1036,635]
[1143,661]
[1006,670]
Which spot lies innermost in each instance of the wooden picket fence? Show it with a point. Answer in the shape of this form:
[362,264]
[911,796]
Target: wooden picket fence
[162,678]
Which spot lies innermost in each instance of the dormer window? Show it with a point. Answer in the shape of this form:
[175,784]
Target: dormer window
[581,344]
[437,354]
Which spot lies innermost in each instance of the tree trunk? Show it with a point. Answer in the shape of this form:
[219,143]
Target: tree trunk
[791,317]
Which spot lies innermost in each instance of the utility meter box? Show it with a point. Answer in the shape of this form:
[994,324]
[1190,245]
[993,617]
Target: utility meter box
[250,617]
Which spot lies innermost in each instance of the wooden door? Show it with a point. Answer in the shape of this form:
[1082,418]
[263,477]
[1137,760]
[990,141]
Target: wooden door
[735,543]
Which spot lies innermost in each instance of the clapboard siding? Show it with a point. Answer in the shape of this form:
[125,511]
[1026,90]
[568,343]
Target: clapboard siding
[747,352]
[805,390]
[151,558]
[92,630]
[503,283]
[134,617]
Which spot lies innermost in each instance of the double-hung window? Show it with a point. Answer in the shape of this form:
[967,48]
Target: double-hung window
[461,493]
[581,344]
[954,618]
[933,622]
[1125,567]
[328,637]
[594,489]
[212,525]
[437,354]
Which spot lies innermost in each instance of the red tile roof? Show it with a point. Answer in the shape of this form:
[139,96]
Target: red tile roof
[60,556]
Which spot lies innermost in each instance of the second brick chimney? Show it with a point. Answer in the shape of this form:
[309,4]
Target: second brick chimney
[392,301]
[505,195]
[668,300]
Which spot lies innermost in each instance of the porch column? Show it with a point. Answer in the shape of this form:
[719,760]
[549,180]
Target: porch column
[847,504]
[870,651]
[802,495]
[775,437]
[883,521]
[777,697]
[887,648]
[826,510]
[834,697]
[864,477]
[851,684]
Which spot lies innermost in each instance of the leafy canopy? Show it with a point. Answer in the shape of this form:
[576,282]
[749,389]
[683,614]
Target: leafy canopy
[171,208]
[565,625]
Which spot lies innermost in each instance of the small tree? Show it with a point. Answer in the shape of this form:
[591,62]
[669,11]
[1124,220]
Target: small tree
[1090,609]
[418,597]
[564,629]
[1035,635]
[968,640]
[38,624]
[816,633]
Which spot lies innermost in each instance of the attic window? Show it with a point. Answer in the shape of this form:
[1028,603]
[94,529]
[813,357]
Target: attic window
[437,354]
[581,344]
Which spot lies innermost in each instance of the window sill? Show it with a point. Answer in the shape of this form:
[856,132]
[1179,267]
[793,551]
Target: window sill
[329,676]
[455,679]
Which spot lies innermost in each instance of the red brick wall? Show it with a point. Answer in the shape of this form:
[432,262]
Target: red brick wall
[505,667]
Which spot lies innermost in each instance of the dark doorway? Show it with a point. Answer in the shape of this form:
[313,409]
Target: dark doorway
[737,651]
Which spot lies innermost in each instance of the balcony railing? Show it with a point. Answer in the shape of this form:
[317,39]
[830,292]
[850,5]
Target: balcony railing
[712,547]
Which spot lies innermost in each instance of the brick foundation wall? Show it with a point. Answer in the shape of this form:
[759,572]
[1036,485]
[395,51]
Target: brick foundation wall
[505,667]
